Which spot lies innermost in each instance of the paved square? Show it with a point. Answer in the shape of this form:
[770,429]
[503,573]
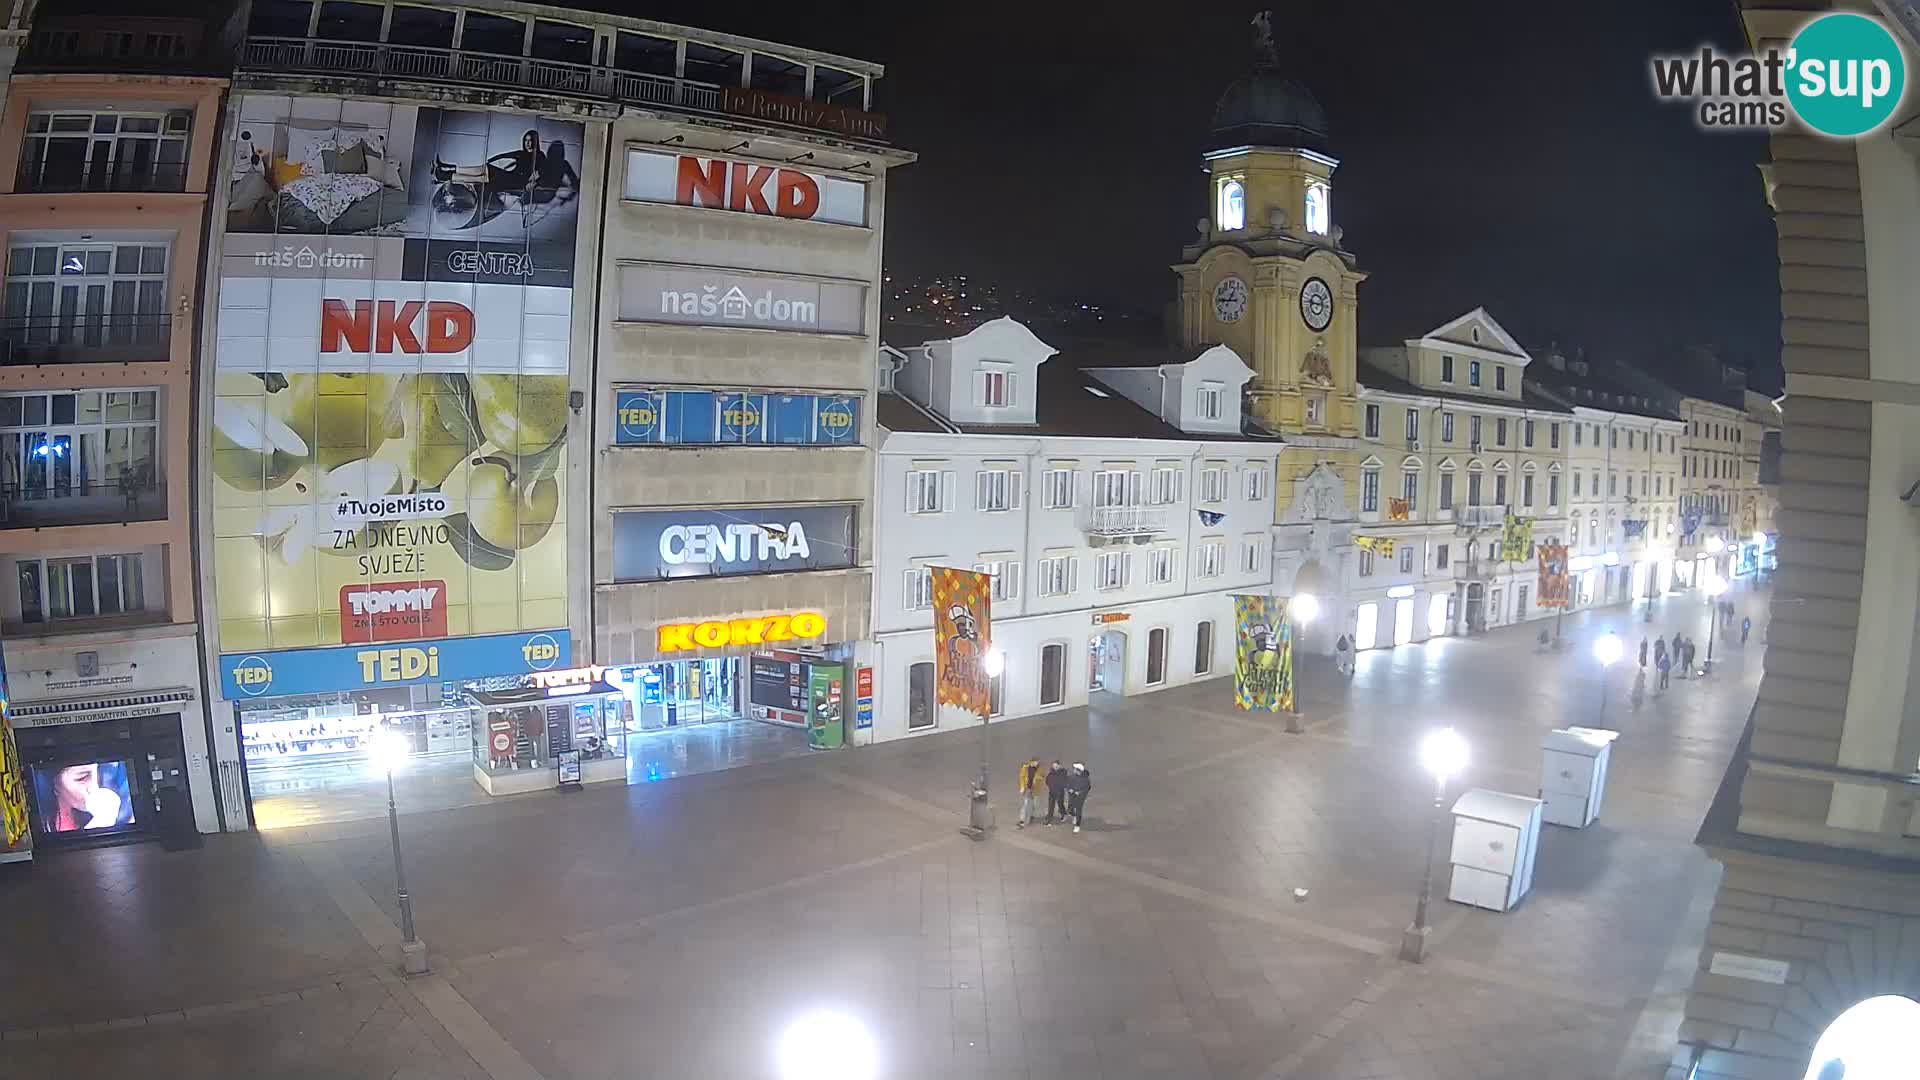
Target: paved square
[672,929]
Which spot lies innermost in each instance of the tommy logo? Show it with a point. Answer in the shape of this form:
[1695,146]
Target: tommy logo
[393,612]
[387,326]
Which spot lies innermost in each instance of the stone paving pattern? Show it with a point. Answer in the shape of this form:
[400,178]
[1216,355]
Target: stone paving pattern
[670,929]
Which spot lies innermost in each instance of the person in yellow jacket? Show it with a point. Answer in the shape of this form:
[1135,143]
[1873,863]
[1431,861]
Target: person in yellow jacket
[1033,781]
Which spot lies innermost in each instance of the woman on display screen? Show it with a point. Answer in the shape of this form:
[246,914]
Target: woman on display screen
[81,801]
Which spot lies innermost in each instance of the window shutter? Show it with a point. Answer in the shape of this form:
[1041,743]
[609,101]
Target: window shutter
[1133,488]
[948,489]
[1177,477]
[1012,591]
[980,388]
[980,481]
[908,600]
[1073,575]
[1015,482]
[1126,565]
[1011,395]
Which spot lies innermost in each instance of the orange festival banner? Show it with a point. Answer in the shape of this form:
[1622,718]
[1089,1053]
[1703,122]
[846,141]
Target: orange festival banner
[962,630]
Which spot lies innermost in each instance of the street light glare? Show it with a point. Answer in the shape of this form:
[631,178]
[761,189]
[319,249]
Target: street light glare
[995,662]
[1716,545]
[1305,607]
[1608,649]
[1716,585]
[827,1045]
[1759,539]
[387,750]
[1443,753]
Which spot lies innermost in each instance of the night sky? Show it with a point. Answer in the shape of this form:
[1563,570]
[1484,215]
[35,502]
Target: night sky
[1509,154]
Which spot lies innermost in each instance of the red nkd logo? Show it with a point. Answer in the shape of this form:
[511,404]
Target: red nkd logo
[393,611]
[388,326]
[736,185]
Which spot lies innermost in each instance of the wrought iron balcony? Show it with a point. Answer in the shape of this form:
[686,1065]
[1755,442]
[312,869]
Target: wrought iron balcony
[85,339]
[100,175]
[38,506]
[1120,522]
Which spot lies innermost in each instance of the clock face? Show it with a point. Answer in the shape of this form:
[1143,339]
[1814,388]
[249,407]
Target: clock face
[1230,299]
[1316,304]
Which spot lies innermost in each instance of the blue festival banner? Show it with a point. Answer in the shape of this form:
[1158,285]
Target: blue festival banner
[397,663]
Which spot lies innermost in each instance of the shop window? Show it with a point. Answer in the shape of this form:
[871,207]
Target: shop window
[424,27]
[1156,656]
[920,696]
[1053,674]
[1203,648]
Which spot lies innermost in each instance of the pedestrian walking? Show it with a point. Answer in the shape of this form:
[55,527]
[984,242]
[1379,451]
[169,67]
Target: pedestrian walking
[1643,651]
[1056,792]
[1639,687]
[1033,780]
[1665,663]
[1079,783]
[1679,658]
[1690,653]
[1746,627]
[1343,655]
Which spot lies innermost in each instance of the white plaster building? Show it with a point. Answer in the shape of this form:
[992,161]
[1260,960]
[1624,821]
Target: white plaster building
[1109,490]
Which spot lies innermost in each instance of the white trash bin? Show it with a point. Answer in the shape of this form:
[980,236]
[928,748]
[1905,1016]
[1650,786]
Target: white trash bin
[1573,774]
[1494,838]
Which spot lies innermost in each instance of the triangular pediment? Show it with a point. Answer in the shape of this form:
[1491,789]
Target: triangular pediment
[1479,330]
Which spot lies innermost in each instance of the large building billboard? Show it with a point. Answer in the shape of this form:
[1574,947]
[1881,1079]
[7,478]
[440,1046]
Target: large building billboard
[390,411]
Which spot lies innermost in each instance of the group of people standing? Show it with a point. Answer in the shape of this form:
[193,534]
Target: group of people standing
[1681,653]
[1065,788]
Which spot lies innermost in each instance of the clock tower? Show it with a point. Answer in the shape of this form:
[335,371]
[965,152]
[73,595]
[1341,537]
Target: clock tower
[1267,275]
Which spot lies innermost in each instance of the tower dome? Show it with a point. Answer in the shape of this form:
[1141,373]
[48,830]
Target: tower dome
[1265,108]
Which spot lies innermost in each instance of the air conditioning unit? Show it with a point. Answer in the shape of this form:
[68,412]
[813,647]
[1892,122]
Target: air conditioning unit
[1413,444]
[1475,447]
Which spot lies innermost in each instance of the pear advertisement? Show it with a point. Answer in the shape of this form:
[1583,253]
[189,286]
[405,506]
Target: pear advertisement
[389,428]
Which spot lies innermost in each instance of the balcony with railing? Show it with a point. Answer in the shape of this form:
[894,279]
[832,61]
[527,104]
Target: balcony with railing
[1479,517]
[85,339]
[100,175]
[1122,522]
[39,506]
[829,99]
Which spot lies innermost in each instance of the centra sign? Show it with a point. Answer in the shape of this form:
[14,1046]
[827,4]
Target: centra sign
[764,629]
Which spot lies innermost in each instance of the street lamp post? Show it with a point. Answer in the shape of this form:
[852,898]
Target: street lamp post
[389,751]
[1301,611]
[1608,650]
[1716,586]
[980,810]
[1443,753]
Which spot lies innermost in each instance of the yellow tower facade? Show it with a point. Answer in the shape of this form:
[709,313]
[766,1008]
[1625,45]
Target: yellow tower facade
[1267,275]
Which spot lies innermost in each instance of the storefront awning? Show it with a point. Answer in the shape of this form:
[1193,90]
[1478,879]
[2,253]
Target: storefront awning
[533,695]
[89,710]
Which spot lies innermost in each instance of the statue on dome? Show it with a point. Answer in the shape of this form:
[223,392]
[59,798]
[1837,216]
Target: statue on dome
[1263,47]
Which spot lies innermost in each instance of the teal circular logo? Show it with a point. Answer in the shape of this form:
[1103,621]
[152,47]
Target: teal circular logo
[1845,74]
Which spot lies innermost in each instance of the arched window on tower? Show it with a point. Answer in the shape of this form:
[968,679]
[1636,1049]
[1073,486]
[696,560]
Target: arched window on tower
[1233,206]
[1317,209]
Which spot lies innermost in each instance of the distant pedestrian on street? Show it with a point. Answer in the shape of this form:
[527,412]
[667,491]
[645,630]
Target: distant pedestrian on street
[1056,792]
[1678,656]
[1343,656]
[1033,780]
[1690,653]
[1746,627]
[1643,650]
[1665,663]
[1639,687]
[1079,783]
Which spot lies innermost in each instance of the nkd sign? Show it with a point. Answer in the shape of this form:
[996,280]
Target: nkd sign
[655,545]
[744,187]
[697,296]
